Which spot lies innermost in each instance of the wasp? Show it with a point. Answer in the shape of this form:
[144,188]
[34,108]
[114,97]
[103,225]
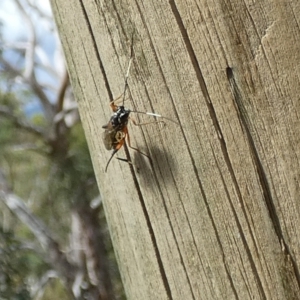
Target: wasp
[116,130]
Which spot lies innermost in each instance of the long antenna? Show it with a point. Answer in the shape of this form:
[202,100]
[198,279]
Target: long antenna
[154,115]
[129,65]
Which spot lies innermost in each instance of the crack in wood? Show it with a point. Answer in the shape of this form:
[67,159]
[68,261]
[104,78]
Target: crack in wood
[216,125]
[260,171]
[150,228]
[141,198]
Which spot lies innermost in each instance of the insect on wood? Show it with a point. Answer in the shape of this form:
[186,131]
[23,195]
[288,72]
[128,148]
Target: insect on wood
[116,129]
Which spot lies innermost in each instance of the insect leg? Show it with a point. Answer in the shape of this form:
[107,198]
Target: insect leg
[146,123]
[129,144]
[115,151]
[119,99]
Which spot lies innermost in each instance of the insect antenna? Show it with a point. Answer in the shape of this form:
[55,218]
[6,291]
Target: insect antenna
[153,115]
[128,69]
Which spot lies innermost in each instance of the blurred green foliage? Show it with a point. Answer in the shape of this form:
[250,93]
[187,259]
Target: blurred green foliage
[49,188]
[15,263]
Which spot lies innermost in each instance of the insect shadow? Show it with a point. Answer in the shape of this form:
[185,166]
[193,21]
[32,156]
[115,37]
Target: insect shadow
[160,165]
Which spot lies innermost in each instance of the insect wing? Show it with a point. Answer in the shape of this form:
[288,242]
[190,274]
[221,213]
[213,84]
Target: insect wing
[108,136]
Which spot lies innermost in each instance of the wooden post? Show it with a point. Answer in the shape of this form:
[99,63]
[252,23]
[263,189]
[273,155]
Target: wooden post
[216,214]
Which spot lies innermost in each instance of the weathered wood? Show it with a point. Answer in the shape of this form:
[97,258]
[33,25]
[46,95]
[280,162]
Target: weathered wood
[216,216]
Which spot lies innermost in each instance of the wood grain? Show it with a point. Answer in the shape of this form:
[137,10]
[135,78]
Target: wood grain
[215,213]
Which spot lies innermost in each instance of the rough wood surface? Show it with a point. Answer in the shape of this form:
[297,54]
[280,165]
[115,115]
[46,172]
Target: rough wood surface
[216,216]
